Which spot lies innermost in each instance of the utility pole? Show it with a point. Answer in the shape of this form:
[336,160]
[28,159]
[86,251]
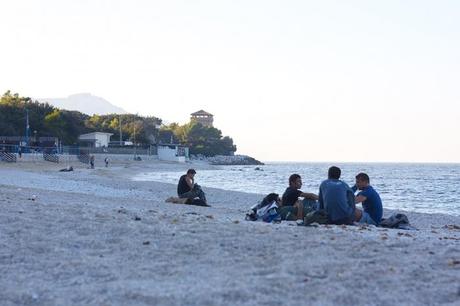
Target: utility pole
[27,127]
[135,155]
[119,121]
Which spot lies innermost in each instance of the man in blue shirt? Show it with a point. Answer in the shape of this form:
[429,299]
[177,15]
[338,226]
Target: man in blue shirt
[370,199]
[337,198]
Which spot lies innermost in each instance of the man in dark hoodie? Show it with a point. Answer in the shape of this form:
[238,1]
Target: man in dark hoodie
[188,189]
[337,198]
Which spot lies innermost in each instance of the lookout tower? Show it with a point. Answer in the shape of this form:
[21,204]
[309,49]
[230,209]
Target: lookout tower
[202,117]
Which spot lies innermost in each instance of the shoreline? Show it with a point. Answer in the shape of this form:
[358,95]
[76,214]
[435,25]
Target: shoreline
[96,237]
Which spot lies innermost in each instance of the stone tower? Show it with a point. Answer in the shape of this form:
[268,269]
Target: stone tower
[202,117]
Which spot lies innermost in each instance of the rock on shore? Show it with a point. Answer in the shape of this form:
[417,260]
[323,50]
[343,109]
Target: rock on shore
[229,160]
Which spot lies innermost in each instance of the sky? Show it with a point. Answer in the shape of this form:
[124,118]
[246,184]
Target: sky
[346,81]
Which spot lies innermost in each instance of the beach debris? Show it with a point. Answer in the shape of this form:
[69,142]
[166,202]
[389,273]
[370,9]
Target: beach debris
[210,216]
[448,238]
[137,218]
[361,227]
[122,211]
[404,234]
[32,198]
[452,227]
[146,242]
[454,262]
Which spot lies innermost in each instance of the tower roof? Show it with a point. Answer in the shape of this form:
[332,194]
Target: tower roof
[201,113]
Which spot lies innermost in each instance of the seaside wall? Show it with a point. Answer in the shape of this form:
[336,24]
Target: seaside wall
[98,157]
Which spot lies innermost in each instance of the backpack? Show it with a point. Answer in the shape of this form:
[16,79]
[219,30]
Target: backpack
[396,220]
[266,210]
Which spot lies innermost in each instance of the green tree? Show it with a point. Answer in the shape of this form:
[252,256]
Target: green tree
[201,140]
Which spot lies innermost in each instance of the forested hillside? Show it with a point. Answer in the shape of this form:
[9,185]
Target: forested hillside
[46,120]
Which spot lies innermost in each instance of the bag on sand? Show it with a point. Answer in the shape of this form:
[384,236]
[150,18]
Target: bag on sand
[266,210]
[397,220]
[316,216]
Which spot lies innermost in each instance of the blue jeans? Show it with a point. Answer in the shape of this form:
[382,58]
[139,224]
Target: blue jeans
[309,205]
[366,218]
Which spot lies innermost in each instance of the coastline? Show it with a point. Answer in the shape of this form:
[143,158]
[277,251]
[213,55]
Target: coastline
[97,237]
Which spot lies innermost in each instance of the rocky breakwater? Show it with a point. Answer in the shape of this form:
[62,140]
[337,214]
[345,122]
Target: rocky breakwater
[231,160]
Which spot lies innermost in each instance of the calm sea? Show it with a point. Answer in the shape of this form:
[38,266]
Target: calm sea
[429,188]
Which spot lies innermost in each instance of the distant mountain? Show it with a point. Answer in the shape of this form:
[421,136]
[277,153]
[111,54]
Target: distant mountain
[85,103]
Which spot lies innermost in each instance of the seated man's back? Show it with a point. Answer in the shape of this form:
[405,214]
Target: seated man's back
[337,199]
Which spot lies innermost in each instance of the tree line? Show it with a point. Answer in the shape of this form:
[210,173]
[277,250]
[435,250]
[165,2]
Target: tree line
[47,120]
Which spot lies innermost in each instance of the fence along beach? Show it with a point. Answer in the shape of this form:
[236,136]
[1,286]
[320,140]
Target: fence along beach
[95,236]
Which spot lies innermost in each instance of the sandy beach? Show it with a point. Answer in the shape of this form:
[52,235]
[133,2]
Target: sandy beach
[95,237]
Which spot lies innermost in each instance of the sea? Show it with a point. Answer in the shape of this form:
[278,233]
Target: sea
[426,188]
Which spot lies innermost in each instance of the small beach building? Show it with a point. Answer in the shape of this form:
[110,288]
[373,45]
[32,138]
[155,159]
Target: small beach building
[95,139]
[173,152]
[205,118]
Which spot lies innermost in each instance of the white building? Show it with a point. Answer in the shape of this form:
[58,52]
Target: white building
[96,139]
[173,152]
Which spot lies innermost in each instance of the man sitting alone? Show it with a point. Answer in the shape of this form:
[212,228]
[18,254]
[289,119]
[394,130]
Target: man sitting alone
[370,199]
[291,207]
[187,189]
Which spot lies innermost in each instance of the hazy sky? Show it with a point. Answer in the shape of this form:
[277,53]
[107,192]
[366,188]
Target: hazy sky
[288,80]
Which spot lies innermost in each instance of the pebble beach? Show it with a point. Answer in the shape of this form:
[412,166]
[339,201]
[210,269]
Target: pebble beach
[97,237]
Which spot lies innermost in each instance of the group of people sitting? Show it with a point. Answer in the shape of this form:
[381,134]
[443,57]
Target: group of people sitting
[335,197]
